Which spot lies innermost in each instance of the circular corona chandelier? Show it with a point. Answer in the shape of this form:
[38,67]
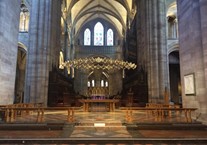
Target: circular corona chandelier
[98,63]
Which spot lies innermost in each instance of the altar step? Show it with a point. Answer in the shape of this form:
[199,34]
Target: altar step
[99,129]
[99,123]
[146,126]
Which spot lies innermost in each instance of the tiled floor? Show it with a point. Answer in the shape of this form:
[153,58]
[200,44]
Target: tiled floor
[99,124]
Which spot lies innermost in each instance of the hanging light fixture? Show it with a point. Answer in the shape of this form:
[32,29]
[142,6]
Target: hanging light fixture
[102,63]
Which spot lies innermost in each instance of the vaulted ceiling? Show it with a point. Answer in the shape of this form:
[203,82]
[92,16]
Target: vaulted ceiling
[172,9]
[117,12]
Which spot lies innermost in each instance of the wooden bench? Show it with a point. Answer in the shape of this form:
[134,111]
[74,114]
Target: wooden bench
[166,112]
[2,113]
[11,112]
[159,112]
[6,113]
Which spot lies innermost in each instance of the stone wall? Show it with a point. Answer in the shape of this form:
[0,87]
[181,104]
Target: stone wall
[44,47]
[192,18]
[24,39]
[9,27]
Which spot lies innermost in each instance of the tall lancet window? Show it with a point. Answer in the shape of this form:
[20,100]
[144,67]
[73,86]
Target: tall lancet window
[93,83]
[110,37]
[24,19]
[98,34]
[87,37]
[102,83]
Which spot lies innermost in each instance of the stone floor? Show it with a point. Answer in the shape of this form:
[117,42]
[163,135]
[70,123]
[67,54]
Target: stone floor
[101,127]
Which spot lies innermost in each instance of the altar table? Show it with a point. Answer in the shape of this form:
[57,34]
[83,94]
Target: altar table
[111,103]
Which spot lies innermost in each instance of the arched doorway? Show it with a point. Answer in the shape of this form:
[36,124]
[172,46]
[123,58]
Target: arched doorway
[20,74]
[175,81]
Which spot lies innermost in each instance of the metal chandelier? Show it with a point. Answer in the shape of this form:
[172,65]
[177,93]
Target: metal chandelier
[98,63]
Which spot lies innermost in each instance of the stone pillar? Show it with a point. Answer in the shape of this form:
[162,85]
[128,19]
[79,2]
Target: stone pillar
[20,77]
[66,51]
[9,28]
[152,46]
[43,51]
[203,12]
[55,32]
[192,20]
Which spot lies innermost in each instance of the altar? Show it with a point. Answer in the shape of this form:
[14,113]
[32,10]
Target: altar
[110,102]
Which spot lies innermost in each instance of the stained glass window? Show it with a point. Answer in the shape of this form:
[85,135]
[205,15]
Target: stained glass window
[87,37]
[102,83]
[98,34]
[93,83]
[89,83]
[106,84]
[110,37]
[24,19]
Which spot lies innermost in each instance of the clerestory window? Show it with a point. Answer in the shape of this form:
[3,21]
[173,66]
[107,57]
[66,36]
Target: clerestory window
[87,37]
[98,34]
[98,37]
[110,37]
[24,19]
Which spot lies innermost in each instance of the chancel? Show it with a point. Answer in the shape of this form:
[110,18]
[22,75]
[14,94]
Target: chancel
[97,93]
[103,72]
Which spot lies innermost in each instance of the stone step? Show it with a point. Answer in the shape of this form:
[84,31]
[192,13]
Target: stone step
[103,141]
[100,123]
[31,126]
[107,129]
[167,126]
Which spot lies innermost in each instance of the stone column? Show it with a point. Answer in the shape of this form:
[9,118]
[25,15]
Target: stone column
[9,28]
[65,46]
[203,12]
[43,51]
[152,46]
[20,77]
[192,20]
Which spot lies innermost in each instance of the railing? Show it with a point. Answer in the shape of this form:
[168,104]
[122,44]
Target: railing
[11,112]
[159,113]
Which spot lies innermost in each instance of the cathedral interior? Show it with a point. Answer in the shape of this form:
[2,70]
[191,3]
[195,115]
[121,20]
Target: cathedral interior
[120,71]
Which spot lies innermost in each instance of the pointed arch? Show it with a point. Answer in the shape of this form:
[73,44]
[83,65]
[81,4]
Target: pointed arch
[110,37]
[98,34]
[87,36]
